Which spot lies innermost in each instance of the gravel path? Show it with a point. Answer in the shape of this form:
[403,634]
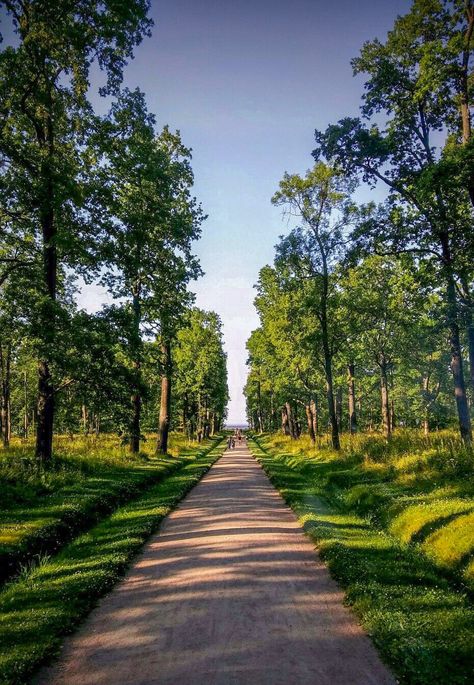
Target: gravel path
[229,592]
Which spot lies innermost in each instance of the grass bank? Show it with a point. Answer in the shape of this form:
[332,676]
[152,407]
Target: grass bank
[411,604]
[42,509]
[38,609]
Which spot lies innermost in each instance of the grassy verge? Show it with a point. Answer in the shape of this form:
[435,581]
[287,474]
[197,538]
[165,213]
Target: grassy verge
[37,610]
[42,509]
[422,625]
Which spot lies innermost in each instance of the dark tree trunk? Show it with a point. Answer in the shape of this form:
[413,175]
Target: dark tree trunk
[339,407]
[46,392]
[470,340]
[328,365]
[5,361]
[259,407]
[455,346]
[351,393]
[393,417]
[291,421]
[136,400]
[165,403]
[384,395]
[314,410]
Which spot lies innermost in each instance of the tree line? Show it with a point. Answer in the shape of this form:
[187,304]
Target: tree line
[107,198]
[374,302]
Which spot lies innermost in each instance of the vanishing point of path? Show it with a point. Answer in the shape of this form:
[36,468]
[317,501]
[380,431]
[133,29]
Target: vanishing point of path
[229,592]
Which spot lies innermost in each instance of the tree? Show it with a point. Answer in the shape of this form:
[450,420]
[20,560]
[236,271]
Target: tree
[426,212]
[45,122]
[153,223]
[322,201]
[200,373]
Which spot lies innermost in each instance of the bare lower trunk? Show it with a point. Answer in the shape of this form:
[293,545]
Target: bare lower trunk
[165,403]
[339,407]
[5,363]
[387,429]
[351,403]
[314,410]
[284,421]
[470,340]
[136,399]
[393,417]
[309,419]
[135,423]
[455,346]
[44,414]
[291,421]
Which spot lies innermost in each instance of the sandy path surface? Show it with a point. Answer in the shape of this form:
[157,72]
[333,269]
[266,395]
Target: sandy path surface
[229,592]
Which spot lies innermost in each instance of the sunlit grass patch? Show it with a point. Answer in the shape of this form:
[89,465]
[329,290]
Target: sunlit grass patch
[42,508]
[452,543]
[416,521]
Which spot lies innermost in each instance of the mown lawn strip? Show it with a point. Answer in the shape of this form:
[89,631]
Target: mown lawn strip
[43,524]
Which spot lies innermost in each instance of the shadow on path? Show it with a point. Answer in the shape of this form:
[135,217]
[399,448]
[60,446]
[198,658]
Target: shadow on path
[229,592]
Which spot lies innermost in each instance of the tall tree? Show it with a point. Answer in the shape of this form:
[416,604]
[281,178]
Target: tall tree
[321,200]
[154,221]
[45,121]
[426,212]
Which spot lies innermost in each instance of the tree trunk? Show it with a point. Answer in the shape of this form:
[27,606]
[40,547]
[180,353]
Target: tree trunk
[136,399]
[328,365]
[393,418]
[314,411]
[339,407]
[5,362]
[455,345]
[470,341]
[351,395]
[165,403]
[85,419]
[465,89]
[46,392]
[387,429]
[291,421]
[25,397]
[331,408]
[310,421]
[284,421]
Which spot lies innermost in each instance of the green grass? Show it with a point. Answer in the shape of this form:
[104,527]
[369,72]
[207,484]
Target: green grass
[42,509]
[48,601]
[417,615]
[415,487]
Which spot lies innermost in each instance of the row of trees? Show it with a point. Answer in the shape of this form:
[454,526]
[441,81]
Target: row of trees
[107,198]
[380,295]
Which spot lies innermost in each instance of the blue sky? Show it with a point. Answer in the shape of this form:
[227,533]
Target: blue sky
[247,82]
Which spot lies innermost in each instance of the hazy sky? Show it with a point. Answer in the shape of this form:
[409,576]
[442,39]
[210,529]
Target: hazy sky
[247,82]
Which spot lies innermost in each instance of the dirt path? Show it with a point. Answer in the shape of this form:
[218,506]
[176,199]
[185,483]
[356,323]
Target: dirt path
[229,592]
